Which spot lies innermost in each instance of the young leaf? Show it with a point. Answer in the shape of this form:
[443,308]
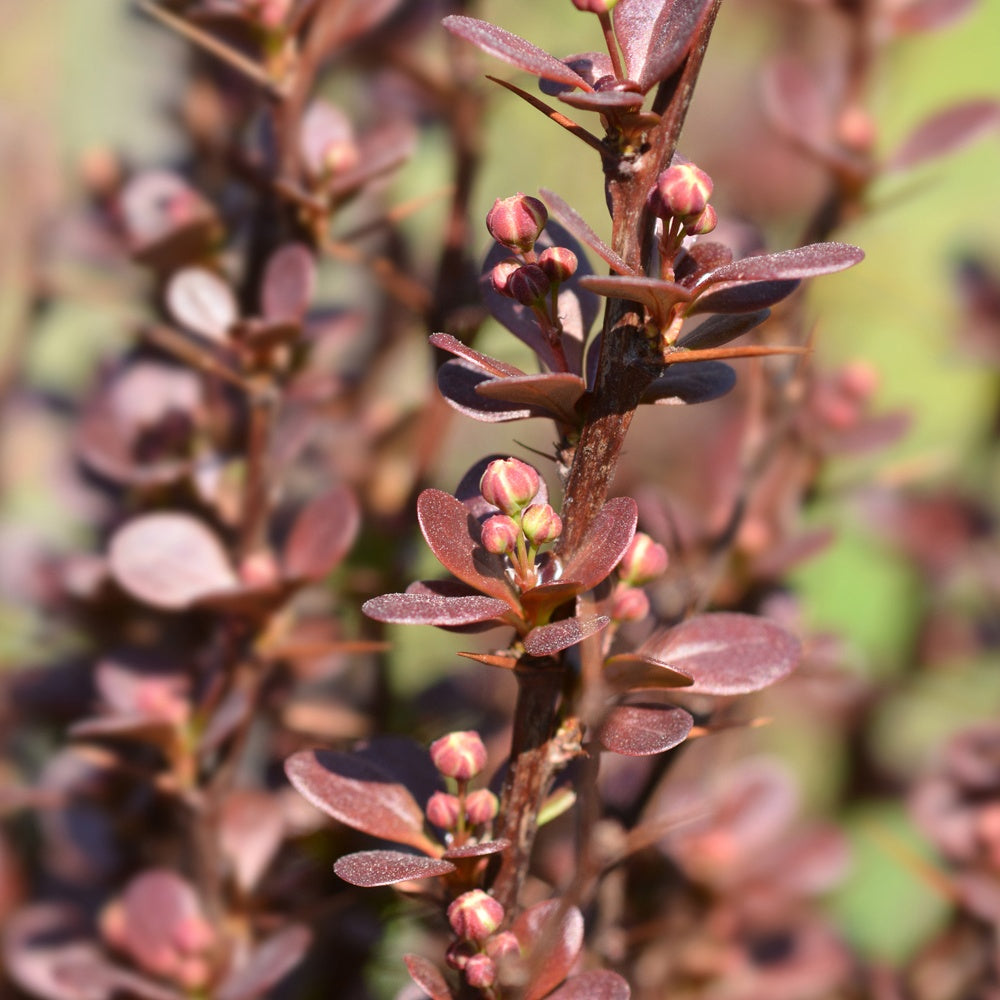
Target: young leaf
[548,639]
[606,542]
[558,930]
[428,977]
[371,868]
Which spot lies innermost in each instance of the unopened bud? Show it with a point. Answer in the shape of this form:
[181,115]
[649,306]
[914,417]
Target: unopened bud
[503,945]
[558,263]
[480,972]
[475,915]
[516,222]
[458,954]
[704,224]
[541,524]
[858,380]
[644,560]
[500,534]
[481,806]
[529,285]
[684,190]
[509,484]
[630,604]
[443,810]
[500,275]
[459,755]
[594,6]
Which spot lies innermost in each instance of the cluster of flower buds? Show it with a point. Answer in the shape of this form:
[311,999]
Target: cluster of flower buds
[680,199]
[644,561]
[461,756]
[522,526]
[530,277]
[476,917]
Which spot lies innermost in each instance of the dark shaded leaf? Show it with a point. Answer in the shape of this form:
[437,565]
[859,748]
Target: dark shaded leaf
[478,850]
[576,224]
[434,609]
[359,793]
[630,671]
[726,653]
[641,730]
[169,560]
[551,638]
[322,534]
[428,977]
[201,301]
[371,868]
[556,393]
[797,263]
[513,49]
[697,382]
[719,330]
[601,101]
[459,381]
[289,280]
[946,132]
[551,936]
[492,366]
[267,965]
[595,984]
[655,36]
[453,536]
[608,538]
[544,598]
[741,298]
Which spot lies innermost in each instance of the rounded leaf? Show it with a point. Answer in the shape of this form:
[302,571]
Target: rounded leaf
[642,730]
[595,984]
[201,301]
[322,535]
[169,560]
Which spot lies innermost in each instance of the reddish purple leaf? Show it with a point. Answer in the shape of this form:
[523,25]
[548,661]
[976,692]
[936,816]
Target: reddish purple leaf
[453,535]
[201,301]
[551,936]
[289,280]
[548,639]
[251,828]
[800,262]
[458,382]
[629,671]
[157,904]
[546,597]
[655,36]
[595,984]
[492,366]
[322,535]
[608,538]
[428,977]
[642,730]
[658,296]
[477,850]
[696,382]
[602,101]
[576,224]
[556,393]
[371,868]
[434,609]
[719,330]
[513,49]
[169,560]
[741,298]
[726,653]
[361,794]
[267,964]
[946,132]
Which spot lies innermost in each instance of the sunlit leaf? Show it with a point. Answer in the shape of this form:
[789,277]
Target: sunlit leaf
[371,868]
[640,730]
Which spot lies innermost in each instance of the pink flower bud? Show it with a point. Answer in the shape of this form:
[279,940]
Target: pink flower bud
[684,189]
[474,916]
[630,604]
[558,263]
[594,6]
[509,484]
[540,524]
[481,806]
[704,224]
[459,755]
[458,954]
[480,972]
[500,275]
[500,534]
[529,285]
[644,560]
[502,945]
[516,222]
[443,810]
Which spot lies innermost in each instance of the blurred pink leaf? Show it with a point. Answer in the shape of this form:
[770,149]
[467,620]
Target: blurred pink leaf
[322,534]
[428,977]
[267,964]
[289,280]
[947,131]
[202,302]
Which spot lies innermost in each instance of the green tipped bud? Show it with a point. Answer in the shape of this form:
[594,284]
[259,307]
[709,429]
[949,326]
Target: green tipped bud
[509,484]
[529,285]
[459,755]
[516,222]
[541,524]
[443,810]
[500,534]
[684,190]
[644,560]
[474,916]
[558,263]
[481,806]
